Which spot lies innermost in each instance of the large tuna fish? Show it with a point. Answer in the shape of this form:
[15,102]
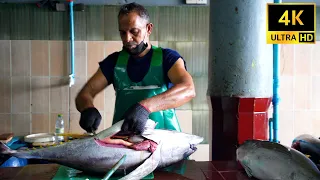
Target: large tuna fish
[308,145]
[267,160]
[156,148]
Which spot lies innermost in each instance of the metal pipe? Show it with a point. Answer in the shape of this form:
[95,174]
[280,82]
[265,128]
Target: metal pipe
[270,130]
[276,98]
[71,76]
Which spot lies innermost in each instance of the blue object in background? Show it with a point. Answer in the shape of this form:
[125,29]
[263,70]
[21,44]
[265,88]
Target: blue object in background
[15,162]
[14,144]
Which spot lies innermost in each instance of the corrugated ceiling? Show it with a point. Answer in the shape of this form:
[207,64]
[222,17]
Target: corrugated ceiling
[144,2]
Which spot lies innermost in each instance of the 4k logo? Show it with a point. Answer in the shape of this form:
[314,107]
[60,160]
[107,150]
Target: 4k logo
[291,23]
[295,17]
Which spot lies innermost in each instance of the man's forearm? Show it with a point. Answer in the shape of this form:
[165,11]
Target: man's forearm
[86,95]
[172,98]
[83,102]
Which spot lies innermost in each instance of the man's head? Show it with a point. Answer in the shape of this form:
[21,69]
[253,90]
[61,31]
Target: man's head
[134,27]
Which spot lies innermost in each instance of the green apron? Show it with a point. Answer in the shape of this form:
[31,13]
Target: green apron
[129,93]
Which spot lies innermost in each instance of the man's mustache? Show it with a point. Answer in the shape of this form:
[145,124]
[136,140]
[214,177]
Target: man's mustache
[131,44]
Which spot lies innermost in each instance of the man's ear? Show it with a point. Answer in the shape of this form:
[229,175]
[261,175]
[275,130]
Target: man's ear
[149,28]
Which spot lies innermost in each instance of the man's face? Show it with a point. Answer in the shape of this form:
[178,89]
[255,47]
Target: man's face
[133,30]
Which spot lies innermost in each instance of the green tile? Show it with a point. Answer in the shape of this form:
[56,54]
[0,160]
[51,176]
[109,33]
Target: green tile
[154,19]
[80,23]
[167,44]
[5,21]
[184,22]
[167,24]
[201,23]
[95,23]
[111,30]
[198,65]
[185,50]
[200,124]
[200,102]
[39,18]
[20,22]
[59,26]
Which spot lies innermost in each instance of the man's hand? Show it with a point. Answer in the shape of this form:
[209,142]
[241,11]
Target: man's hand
[90,119]
[135,119]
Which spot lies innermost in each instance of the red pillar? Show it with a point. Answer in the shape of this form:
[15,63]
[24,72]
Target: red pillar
[253,118]
[240,74]
[234,120]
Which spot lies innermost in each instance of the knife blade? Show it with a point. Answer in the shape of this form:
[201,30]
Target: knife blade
[93,131]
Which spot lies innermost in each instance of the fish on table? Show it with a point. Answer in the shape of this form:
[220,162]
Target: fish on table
[155,148]
[267,160]
[308,145]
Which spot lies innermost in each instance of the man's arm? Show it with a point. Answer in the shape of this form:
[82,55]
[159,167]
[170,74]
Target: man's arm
[181,92]
[86,95]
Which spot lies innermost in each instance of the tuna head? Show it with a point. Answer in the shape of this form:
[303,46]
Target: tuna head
[245,149]
[174,145]
[189,141]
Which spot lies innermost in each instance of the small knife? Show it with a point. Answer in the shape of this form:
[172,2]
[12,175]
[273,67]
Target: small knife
[93,131]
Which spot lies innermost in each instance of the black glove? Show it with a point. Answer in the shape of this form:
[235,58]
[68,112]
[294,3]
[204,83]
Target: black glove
[135,119]
[90,119]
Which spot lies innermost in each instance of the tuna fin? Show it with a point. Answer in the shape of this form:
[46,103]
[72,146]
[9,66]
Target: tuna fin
[149,127]
[114,129]
[248,170]
[147,167]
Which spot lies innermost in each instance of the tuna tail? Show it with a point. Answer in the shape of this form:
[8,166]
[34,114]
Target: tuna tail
[4,149]
[5,153]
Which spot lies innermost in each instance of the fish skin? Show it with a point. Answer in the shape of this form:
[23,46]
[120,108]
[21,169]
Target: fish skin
[308,145]
[87,156]
[268,160]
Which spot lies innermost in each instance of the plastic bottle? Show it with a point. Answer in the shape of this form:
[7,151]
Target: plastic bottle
[59,126]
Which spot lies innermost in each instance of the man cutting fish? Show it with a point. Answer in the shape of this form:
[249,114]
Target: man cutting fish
[150,82]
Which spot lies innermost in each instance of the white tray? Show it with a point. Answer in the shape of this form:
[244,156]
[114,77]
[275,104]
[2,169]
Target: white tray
[39,137]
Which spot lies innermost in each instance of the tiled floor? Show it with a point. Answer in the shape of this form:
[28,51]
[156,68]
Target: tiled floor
[222,170]
[226,170]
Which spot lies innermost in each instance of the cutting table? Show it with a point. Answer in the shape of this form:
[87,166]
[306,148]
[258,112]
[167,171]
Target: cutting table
[186,169]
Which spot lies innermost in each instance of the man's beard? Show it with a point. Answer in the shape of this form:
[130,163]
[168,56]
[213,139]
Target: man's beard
[138,49]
